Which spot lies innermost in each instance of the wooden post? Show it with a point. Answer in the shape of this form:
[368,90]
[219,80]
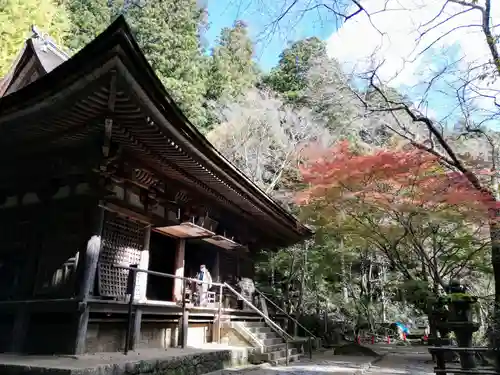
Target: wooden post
[22,316]
[19,329]
[238,271]
[142,277]
[81,328]
[142,286]
[88,266]
[88,270]
[136,333]
[184,326]
[179,269]
[216,271]
[132,277]
[216,334]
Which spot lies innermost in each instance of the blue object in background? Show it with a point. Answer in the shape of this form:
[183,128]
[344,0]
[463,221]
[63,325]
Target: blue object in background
[403,328]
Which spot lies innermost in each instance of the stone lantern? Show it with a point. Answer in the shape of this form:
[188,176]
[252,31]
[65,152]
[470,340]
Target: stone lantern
[460,305]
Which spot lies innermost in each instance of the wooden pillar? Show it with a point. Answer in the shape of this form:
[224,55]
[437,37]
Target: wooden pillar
[142,278]
[141,288]
[88,262]
[88,271]
[184,328]
[216,270]
[184,320]
[19,329]
[82,322]
[238,272]
[88,267]
[180,253]
[24,287]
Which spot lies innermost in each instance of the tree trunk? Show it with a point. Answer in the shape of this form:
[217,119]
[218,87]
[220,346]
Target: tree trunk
[370,280]
[382,292]
[272,275]
[300,308]
[345,292]
[495,260]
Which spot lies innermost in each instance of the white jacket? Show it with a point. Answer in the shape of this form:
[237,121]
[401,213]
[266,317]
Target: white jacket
[207,278]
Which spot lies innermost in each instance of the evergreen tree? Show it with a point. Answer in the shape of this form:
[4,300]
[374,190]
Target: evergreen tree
[88,19]
[289,77]
[168,33]
[232,69]
[16,19]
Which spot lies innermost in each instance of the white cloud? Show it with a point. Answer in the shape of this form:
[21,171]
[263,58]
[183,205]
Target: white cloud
[392,36]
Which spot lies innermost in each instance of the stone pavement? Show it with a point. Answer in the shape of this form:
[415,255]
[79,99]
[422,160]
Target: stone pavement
[403,363]
[321,364]
[383,348]
[395,361]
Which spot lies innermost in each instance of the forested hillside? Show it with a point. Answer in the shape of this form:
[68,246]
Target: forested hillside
[391,226]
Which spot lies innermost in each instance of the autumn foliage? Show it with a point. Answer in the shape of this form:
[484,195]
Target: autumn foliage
[407,180]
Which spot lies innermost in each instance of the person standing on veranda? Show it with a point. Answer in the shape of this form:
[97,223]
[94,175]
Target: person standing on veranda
[204,285]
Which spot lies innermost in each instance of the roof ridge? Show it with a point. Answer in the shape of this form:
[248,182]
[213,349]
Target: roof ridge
[48,42]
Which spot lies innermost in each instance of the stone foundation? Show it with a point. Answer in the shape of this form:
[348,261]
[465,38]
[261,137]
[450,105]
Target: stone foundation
[232,337]
[110,337]
[147,362]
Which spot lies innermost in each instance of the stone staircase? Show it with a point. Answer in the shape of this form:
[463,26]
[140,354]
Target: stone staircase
[267,345]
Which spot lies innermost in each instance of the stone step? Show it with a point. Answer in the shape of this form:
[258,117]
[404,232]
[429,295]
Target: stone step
[266,335]
[264,329]
[282,361]
[255,324]
[275,347]
[270,342]
[274,356]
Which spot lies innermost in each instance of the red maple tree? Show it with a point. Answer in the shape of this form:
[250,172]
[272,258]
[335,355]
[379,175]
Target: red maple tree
[393,201]
[409,179]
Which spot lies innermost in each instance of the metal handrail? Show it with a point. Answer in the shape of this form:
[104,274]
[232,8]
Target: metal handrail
[284,335]
[163,274]
[287,315]
[280,330]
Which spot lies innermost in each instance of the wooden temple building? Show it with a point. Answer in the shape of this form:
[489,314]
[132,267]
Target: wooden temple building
[100,168]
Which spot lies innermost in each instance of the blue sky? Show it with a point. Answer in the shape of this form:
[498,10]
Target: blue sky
[223,13]
[259,14]
[357,39]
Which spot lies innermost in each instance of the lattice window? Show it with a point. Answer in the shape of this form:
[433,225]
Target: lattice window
[122,242]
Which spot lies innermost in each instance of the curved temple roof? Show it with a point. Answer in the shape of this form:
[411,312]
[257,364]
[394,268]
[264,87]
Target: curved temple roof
[172,142]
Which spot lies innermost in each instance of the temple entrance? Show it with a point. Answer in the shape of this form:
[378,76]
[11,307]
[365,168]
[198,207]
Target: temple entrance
[224,265]
[197,253]
[161,259]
